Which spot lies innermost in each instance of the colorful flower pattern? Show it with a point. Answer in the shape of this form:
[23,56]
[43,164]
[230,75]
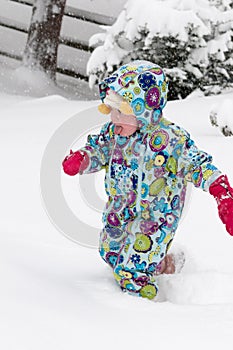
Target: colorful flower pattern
[146,80]
[159,140]
[152,98]
[146,179]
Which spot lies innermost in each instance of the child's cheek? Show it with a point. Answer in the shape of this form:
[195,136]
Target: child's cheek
[130,120]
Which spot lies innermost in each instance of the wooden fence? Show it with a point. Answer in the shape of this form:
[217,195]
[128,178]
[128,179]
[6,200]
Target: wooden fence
[77,27]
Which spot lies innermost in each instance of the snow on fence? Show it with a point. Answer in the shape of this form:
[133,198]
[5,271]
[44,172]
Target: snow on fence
[78,26]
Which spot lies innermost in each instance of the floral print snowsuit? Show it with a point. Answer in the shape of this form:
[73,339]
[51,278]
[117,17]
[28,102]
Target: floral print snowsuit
[146,179]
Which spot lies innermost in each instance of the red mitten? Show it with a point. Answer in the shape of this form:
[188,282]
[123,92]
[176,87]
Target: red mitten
[75,162]
[223,193]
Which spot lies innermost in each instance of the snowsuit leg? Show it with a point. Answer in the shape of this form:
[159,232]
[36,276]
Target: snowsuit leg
[136,282]
[125,253]
[110,245]
[133,281]
[134,275]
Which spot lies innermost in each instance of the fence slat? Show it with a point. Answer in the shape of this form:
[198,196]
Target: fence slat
[60,70]
[79,14]
[20,27]
[77,44]
[11,55]
[5,22]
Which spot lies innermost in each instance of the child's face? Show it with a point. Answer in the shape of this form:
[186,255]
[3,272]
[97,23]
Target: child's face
[125,125]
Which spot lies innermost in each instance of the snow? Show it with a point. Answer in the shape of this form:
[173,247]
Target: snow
[96,39]
[58,295]
[200,28]
[99,56]
[56,9]
[18,80]
[219,44]
[136,16]
[40,12]
[108,7]
[221,116]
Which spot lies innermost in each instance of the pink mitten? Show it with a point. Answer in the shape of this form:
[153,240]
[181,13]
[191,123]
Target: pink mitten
[75,162]
[223,193]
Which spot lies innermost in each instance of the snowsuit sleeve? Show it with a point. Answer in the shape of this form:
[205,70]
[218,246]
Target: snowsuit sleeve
[98,148]
[197,165]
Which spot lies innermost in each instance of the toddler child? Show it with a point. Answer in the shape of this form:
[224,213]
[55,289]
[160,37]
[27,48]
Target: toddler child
[148,161]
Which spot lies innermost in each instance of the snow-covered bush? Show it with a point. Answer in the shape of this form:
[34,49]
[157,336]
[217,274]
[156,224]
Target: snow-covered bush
[221,116]
[190,39]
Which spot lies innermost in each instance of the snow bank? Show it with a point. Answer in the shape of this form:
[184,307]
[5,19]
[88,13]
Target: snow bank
[198,288]
[15,79]
[221,116]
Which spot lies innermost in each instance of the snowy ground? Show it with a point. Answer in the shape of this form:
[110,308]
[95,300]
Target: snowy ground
[16,80]
[57,295]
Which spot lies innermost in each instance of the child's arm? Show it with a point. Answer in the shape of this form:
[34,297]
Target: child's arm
[197,165]
[93,156]
[199,169]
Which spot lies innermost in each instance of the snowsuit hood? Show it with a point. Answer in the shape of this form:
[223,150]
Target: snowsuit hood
[144,86]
